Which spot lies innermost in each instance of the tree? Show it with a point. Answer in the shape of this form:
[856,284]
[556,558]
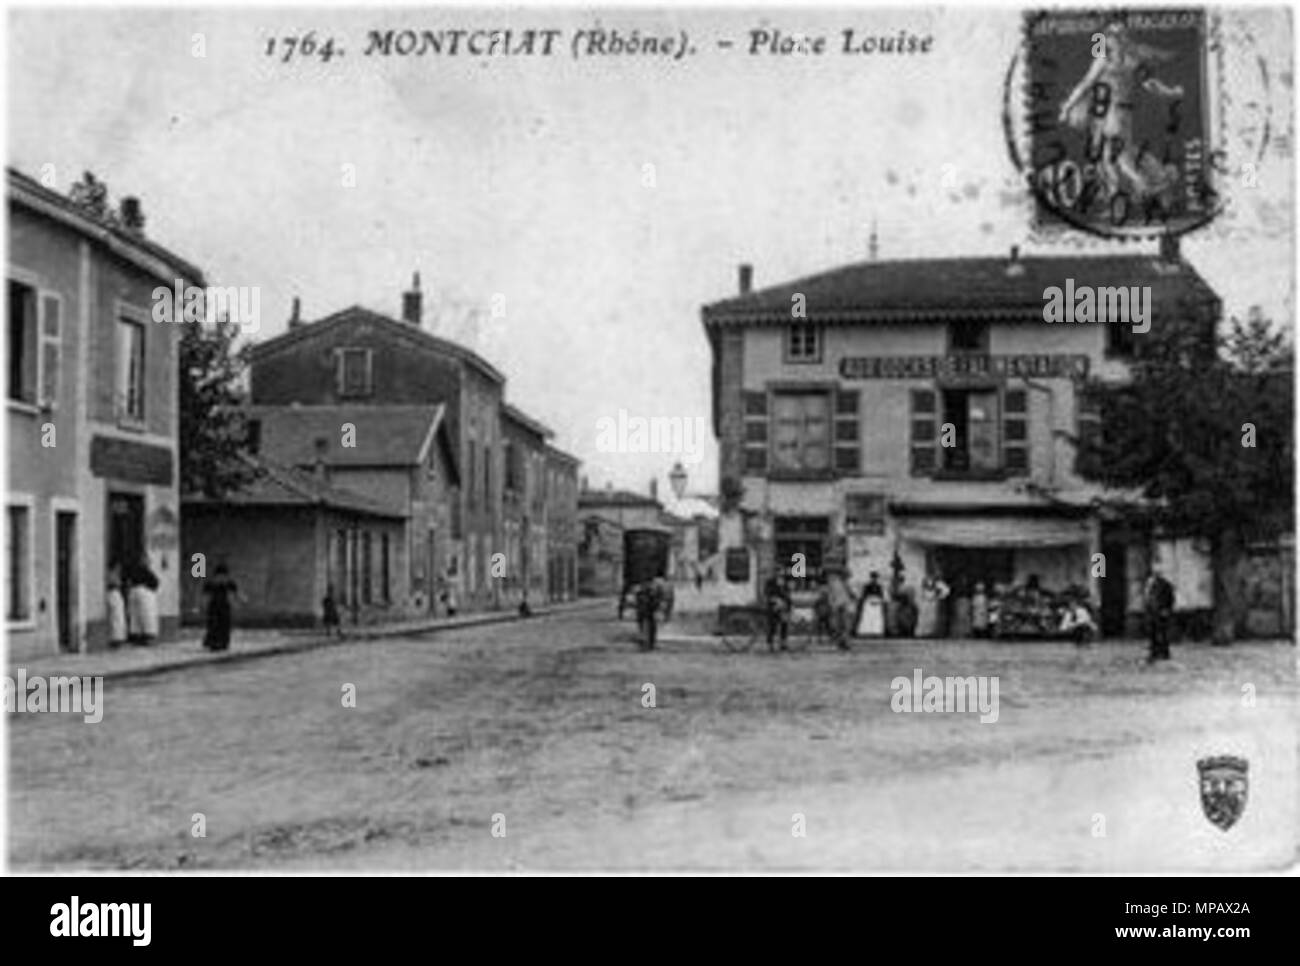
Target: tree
[1204,430]
[214,432]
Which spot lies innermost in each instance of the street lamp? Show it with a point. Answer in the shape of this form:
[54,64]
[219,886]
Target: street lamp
[677,478]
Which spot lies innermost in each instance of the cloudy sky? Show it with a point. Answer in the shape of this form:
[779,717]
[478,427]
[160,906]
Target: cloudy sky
[605,199]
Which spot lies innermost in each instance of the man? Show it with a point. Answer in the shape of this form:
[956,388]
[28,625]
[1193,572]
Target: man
[1160,607]
[649,596]
[776,594]
[841,605]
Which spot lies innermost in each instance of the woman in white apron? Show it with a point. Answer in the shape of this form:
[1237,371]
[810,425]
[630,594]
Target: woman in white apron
[933,593]
[142,604]
[871,612]
[116,606]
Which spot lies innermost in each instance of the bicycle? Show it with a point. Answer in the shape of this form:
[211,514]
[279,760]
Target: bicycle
[749,626]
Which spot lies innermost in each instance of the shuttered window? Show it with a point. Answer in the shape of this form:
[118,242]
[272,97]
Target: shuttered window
[51,348]
[924,435]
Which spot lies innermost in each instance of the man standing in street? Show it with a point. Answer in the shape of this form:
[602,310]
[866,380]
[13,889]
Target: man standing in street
[1160,608]
[777,596]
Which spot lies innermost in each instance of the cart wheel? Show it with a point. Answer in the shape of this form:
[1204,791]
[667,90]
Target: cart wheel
[742,637]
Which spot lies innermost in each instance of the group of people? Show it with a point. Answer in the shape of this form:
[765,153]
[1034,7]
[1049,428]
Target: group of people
[132,603]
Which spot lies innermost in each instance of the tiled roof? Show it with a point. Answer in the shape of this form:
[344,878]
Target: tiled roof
[527,422]
[357,313]
[130,245]
[916,289]
[277,485]
[384,435]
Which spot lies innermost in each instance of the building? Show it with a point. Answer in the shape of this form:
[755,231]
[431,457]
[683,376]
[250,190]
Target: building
[562,528]
[924,411]
[288,537]
[523,506]
[399,459]
[93,421]
[360,359]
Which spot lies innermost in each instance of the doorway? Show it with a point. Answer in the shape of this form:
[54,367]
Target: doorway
[125,529]
[1114,589]
[65,579]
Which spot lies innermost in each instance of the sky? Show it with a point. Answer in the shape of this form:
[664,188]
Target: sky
[599,201]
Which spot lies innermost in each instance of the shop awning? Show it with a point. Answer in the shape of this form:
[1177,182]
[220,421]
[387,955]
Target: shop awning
[998,532]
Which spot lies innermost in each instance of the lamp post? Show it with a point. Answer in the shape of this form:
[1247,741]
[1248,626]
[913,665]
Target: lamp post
[677,478]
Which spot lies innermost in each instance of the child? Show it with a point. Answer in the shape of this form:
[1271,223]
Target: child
[330,612]
[116,608]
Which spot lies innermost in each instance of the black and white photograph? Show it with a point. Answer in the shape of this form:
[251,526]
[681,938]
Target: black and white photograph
[643,440]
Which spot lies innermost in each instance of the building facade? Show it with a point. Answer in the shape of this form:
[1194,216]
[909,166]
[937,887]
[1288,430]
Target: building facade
[562,536]
[924,413]
[358,359]
[524,507]
[93,419]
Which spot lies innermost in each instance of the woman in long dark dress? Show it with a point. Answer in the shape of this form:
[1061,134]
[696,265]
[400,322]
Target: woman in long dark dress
[220,589]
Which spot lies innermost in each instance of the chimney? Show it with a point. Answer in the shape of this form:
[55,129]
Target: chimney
[746,279]
[654,489]
[295,319]
[1014,265]
[411,309]
[873,247]
[131,215]
[1169,248]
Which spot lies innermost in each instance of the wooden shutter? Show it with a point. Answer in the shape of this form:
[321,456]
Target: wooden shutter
[848,451]
[1015,432]
[924,438]
[51,348]
[756,432]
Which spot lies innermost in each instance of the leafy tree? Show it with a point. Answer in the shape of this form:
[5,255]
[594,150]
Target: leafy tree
[214,432]
[1204,430]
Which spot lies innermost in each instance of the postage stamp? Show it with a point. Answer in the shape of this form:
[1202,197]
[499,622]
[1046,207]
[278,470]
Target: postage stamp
[1117,135]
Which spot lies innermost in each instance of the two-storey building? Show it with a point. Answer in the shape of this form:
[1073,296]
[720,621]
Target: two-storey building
[524,506]
[562,536]
[925,412]
[93,421]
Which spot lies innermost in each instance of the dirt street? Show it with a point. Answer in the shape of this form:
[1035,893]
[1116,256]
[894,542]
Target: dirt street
[537,730]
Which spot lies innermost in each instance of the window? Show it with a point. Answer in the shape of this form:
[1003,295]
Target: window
[512,472]
[968,336]
[487,477]
[35,344]
[367,565]
[801,434]
[354,376]
[848,459]
[130,370]
[457,529]
[18,591]
[803,343]
[471,474]
[254,435]
[385,584]
[973,415]
[341,582]
[1119,339]
[865,513]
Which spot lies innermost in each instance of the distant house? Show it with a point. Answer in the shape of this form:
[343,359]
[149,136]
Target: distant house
[92,420]
[289,536]
[562,534]
[523,506]
[360,360]
[399,459]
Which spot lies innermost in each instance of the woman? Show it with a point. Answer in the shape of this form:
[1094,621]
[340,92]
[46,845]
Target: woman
[142,604]
[933,593]
[871,609]
[116,605]
[220,590]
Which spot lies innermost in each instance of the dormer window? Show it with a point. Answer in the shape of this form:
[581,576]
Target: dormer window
[354,372]
[968,336]
[803,343]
